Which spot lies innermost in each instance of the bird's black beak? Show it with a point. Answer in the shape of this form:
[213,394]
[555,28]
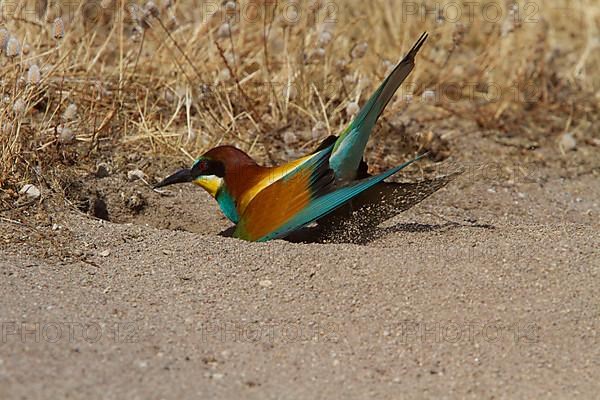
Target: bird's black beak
[181,176]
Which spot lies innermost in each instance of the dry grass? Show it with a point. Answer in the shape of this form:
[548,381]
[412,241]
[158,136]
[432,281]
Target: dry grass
[177,78]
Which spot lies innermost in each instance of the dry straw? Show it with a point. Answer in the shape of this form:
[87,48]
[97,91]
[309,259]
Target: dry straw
[239,67]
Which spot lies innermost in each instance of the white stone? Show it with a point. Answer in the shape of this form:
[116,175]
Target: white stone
[567,142]
[289,137]
[265,283]
[31,191]
[135,175]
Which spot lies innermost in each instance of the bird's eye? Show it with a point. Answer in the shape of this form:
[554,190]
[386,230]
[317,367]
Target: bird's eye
[202,165]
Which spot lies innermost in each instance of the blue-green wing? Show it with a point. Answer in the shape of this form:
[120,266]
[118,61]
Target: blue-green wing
[350,145]
[326,203]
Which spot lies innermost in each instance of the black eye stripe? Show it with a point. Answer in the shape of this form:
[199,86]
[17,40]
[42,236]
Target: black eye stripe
[208,167]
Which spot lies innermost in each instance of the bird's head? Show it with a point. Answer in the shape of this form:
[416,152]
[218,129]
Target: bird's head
[205,172]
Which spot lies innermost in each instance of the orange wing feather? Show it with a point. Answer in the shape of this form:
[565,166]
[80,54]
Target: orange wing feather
[263,179]
[275,205]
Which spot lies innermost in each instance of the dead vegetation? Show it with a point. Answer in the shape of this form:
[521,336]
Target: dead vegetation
[116,82]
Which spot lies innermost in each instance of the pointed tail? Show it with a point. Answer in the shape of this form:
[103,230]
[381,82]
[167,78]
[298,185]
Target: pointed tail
[349,147]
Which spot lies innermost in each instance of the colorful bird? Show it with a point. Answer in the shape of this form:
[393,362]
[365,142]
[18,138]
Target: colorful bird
[271,202]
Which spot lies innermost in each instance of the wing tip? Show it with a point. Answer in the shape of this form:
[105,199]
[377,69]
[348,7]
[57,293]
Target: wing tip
[418,44]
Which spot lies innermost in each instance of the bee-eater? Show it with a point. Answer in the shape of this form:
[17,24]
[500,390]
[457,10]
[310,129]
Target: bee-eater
[271,202]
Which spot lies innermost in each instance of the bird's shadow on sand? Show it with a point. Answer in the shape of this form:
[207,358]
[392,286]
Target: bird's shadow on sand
[365,234]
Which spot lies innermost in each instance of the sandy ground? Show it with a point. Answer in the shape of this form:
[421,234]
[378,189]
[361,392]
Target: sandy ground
[487,289]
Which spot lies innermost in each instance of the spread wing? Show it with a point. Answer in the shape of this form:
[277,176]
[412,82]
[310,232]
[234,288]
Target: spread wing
[296,200]
[279,202]
[350,146]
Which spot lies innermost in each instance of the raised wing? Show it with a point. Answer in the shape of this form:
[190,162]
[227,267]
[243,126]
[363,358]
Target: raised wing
[294,202]
[350,146]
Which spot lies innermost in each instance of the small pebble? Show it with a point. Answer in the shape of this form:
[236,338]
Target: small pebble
[291,153]
[350,79]
[265,283]
[567,142]
[105,253]
[364,83]
[30,191]
[289,137]
[305,135]
[213,375]
[77,253]
[135,175]
[135,202]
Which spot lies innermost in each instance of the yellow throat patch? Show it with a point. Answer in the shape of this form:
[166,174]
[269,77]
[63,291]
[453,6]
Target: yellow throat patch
[210,183]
